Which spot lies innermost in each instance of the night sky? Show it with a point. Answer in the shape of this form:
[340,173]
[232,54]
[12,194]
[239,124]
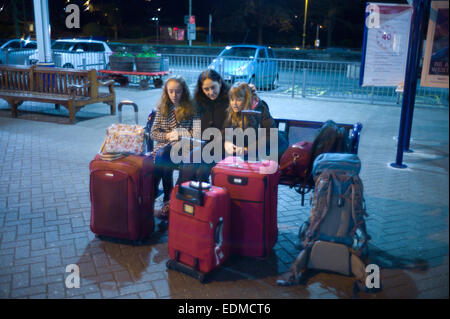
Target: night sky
[269,22]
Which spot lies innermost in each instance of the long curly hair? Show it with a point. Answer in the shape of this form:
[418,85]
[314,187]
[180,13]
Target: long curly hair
[199,96]
[185,109]
[239,90]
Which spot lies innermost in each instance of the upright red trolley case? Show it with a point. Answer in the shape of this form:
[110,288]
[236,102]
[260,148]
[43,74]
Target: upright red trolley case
[121,193]
[253,188]
[199,228]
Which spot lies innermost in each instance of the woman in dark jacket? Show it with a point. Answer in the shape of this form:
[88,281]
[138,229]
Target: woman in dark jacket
[211,99]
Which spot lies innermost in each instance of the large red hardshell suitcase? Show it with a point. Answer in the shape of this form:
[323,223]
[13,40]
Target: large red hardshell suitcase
[253,188]
[122,200]
[199,228]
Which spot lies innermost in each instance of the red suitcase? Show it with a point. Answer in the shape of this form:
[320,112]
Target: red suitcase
[199,228]
[253,188]
[122,200]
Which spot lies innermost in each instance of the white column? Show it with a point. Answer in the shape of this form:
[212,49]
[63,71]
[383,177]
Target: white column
[43,30]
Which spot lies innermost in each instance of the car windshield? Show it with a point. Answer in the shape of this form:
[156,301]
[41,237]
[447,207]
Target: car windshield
[60,45]
[240,52]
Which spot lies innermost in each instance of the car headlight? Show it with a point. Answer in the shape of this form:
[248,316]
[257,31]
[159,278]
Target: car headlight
[213,64]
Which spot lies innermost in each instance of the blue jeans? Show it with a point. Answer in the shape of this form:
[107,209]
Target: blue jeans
[196,171]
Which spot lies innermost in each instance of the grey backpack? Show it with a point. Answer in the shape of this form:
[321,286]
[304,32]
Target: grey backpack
[335,237]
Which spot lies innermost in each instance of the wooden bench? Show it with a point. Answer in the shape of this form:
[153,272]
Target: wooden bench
[72,89]
[297,131]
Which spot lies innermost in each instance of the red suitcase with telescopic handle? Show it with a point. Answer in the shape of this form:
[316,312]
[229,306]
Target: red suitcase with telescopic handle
[199,228]
[253,188]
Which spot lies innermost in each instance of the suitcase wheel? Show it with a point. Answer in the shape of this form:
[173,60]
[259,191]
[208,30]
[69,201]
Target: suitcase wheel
[201,278]
[174,265]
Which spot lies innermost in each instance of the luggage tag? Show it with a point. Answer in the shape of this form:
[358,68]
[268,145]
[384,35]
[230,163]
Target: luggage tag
[237,180]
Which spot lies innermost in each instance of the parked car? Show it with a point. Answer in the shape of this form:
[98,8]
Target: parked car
[249,63]
[75,53]
[17,50]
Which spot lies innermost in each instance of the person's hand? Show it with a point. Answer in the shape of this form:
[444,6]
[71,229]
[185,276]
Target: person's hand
[252,88]
[172,136]
[240,151]
[229,147]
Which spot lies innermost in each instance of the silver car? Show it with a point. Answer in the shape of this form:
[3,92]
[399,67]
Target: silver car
[249,63]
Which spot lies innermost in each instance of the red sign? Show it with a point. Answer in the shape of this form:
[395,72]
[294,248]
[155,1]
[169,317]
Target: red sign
[192,20]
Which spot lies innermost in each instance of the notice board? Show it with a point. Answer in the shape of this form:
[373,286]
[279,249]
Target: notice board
[385,44]
[435,62]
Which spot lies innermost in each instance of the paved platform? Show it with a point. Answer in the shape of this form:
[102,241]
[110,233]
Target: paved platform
[45,212]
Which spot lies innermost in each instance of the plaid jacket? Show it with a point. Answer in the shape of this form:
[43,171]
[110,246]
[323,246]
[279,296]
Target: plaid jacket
[163,125]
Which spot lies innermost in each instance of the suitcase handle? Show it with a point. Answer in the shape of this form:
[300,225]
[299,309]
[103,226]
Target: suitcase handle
[218,235]
[128,102]
[191,195]
[218,239]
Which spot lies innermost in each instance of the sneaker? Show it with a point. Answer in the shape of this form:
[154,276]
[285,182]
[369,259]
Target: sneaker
[163,213]
[289,278]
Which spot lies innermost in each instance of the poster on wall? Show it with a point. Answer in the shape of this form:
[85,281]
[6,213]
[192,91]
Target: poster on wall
[435,62]
[385,44]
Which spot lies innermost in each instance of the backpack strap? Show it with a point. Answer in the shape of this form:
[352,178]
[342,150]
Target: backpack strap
[358,220]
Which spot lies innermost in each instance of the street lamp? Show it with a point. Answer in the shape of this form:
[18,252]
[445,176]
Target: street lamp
[304,23]
[317,42]
[157,28]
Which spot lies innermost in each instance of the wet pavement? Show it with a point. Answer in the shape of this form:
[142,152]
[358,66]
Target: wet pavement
[45,211]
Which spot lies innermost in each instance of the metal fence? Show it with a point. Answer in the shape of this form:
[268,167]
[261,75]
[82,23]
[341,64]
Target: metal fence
[19,56]
[304,78]
[288,77]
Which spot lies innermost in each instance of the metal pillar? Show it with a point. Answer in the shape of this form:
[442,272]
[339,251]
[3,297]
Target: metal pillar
[409,95]
[424,13]
[43,31]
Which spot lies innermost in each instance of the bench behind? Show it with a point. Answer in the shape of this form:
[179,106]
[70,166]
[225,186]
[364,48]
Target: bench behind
[56,81]
[71,88]
[297,131]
